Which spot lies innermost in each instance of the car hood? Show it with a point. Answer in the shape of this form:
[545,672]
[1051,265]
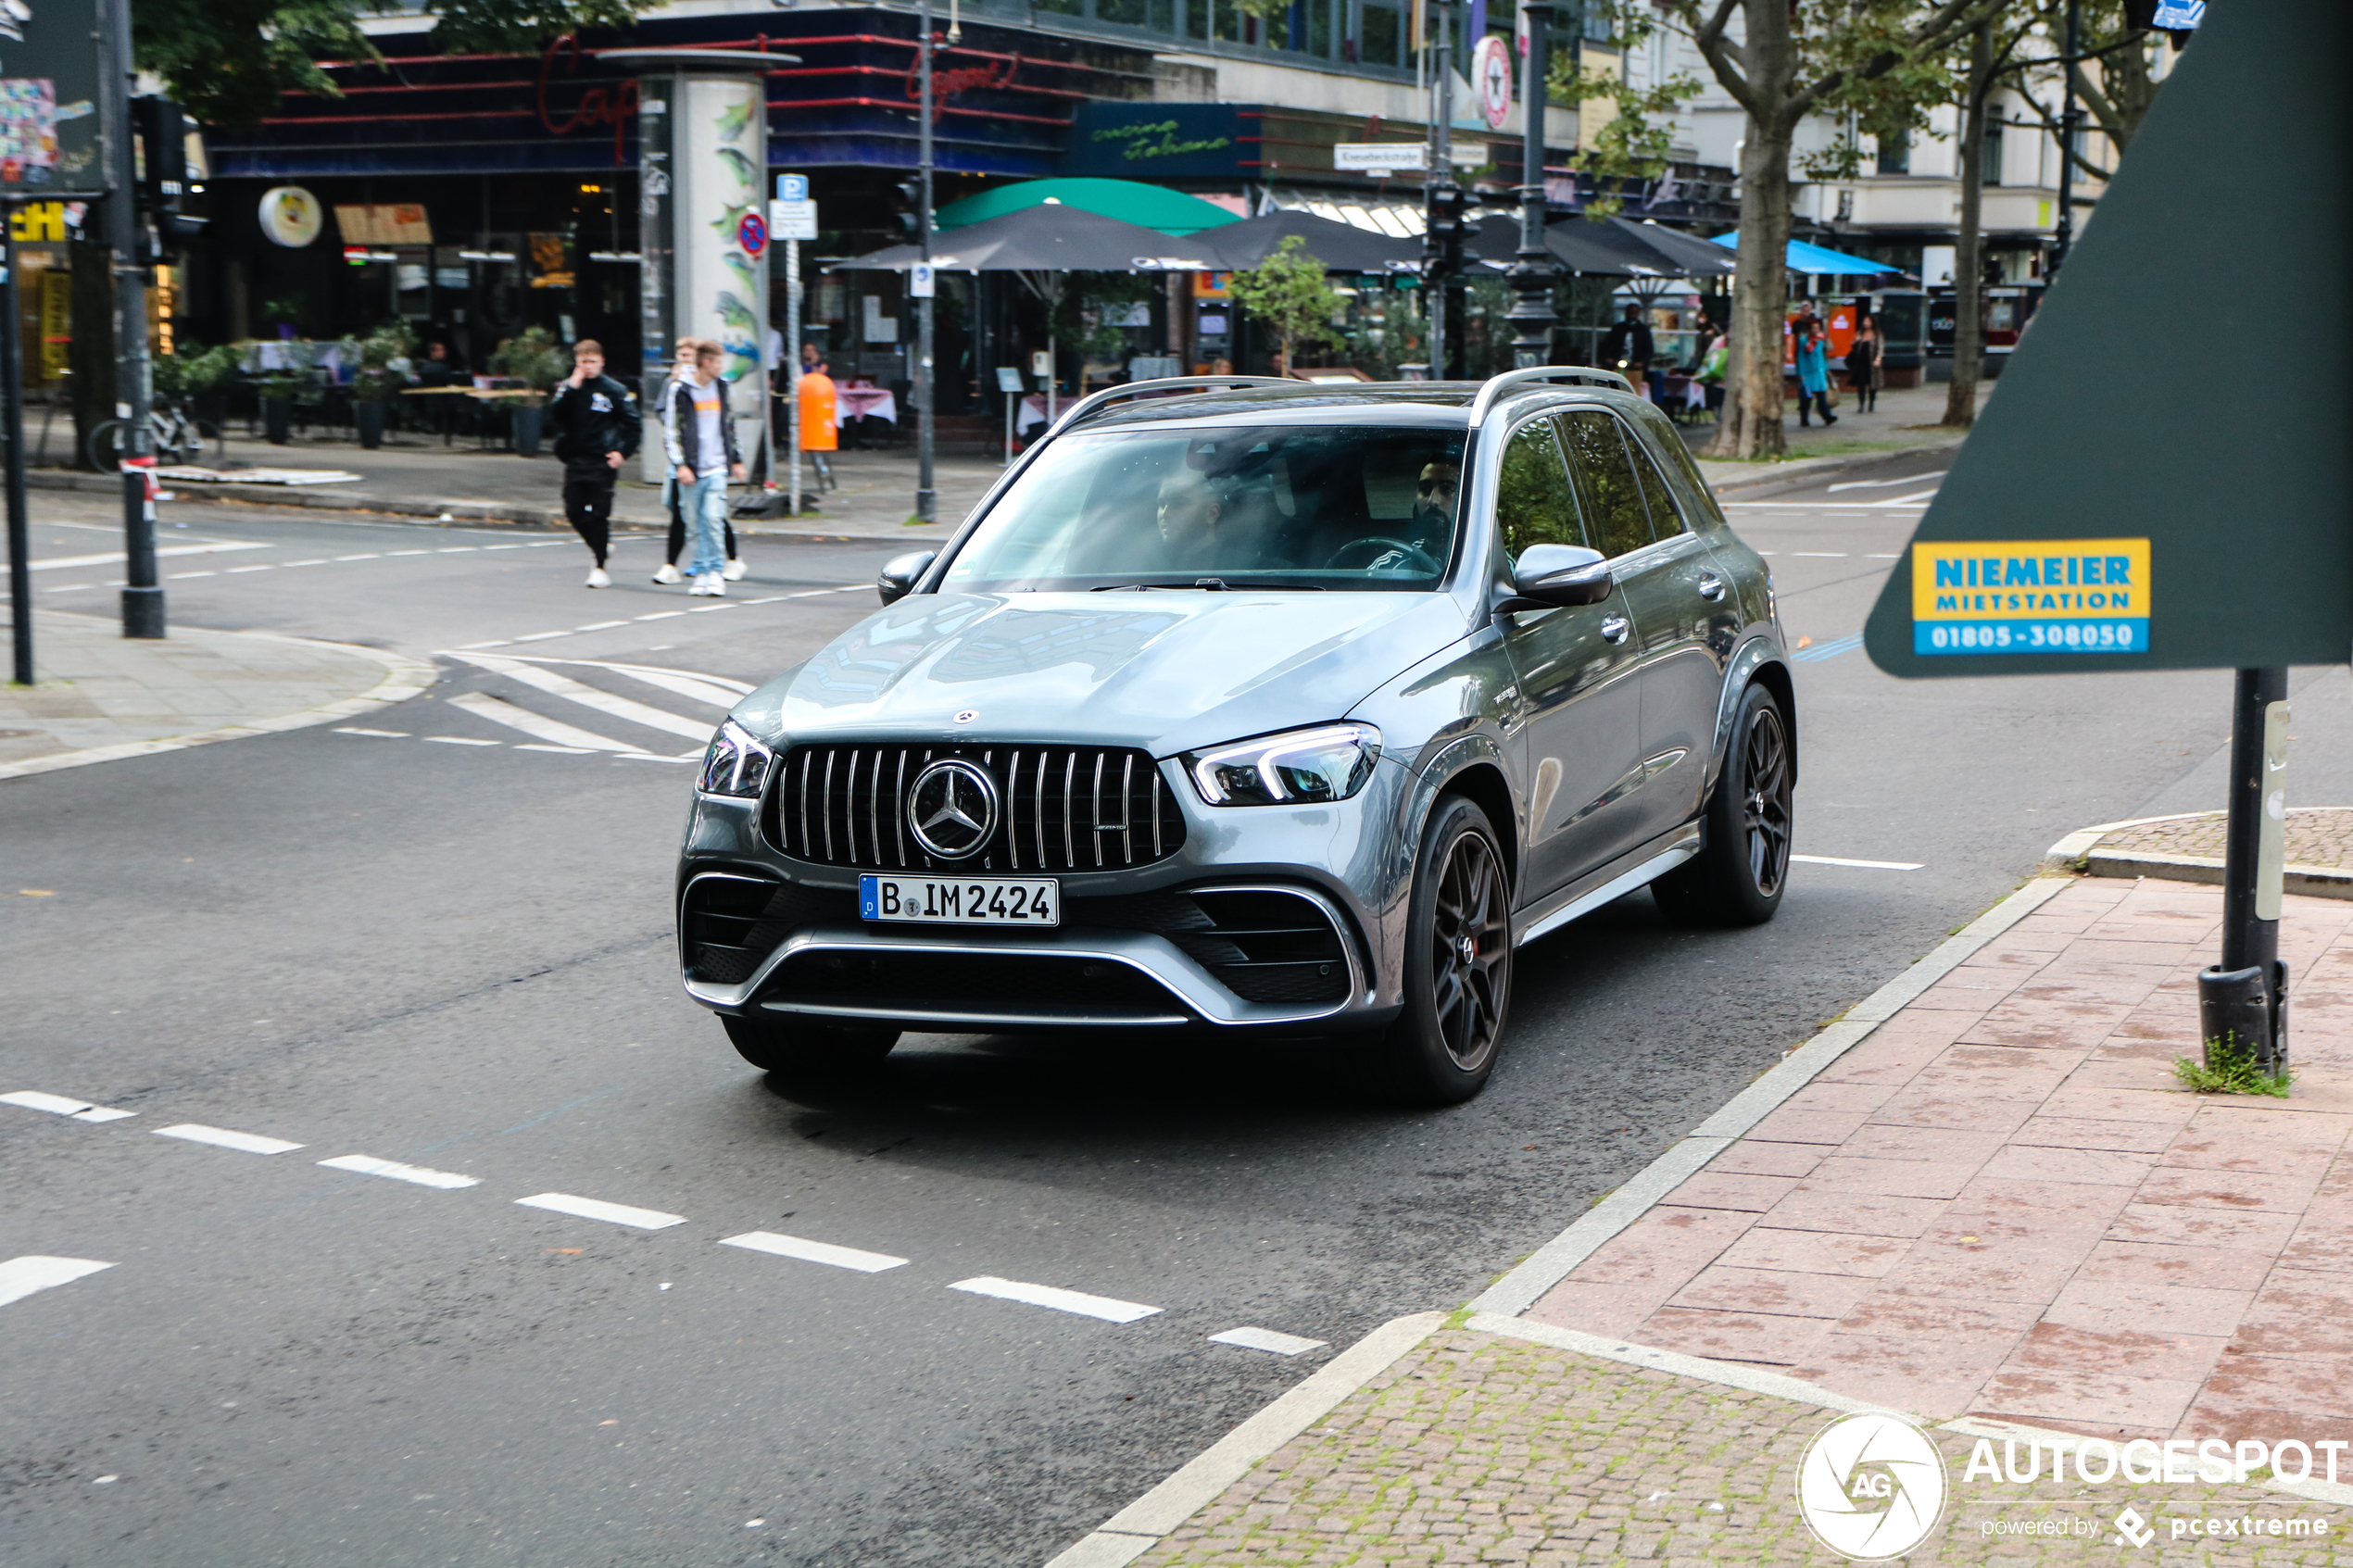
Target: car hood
[1167,671]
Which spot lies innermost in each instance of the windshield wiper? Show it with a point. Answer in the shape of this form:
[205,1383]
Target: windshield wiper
[1210,585]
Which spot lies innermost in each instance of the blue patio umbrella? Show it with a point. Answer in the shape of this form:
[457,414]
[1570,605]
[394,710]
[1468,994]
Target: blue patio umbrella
[1818,261]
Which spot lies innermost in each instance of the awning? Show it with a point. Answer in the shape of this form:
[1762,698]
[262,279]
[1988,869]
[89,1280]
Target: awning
[1130,201]
[1045,239]
[1816,261]
[1341,247]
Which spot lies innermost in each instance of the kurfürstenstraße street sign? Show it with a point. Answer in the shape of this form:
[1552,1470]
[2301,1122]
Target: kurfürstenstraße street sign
[2163,478]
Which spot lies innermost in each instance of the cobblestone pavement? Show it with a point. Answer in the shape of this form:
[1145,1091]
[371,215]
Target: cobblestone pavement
[1480,1448]
[2317,835]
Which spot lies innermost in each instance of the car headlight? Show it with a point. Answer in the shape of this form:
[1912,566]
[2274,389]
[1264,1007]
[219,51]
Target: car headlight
[737,764]
[1303,767]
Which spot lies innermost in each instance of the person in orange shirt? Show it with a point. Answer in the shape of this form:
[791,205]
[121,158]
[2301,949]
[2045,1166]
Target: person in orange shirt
[820,421]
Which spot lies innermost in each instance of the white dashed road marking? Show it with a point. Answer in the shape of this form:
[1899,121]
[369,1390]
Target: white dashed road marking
[462,740]
[58,1105]
[1866,865]
[596,1208]
[1883,483]
[499,710]
[1060,1301]
[379,734]
[222,1137]
[367,1165]
[1266,1340]
[108,557]
[813,1251]
[19,1277]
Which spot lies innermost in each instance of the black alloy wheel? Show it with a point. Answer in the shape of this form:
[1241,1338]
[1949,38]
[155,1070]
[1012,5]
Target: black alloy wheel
[1748,826]
[1458,963]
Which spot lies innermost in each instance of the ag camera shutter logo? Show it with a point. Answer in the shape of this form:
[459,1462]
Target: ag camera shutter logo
[1871,1486]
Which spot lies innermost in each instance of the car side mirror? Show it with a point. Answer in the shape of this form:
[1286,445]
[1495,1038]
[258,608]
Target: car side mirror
[1562,574]
[900,574]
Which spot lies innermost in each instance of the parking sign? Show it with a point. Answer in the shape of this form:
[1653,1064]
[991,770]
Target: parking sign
[792,187]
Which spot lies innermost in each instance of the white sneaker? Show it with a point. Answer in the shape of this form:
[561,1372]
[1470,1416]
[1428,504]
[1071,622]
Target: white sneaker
[600,578]
[734,572]
[715,584]
[668,574]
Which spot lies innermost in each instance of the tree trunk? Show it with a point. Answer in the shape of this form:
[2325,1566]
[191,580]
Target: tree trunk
[1968,266]
[1752,423]
[91,356]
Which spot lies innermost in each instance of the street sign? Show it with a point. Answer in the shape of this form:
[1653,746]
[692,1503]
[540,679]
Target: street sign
[790,219]
[2179,15]
[792,188]
[919,279]
[1492,78]
[1379,157]
[1009,379]
[2124,502]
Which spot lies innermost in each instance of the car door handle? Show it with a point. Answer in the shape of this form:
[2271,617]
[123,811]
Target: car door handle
[1614,628]
[1710,585]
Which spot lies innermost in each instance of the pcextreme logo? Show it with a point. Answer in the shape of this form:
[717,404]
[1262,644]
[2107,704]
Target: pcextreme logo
[1871,1486]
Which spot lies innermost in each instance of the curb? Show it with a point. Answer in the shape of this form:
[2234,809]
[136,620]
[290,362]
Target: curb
[1550,1263]
[2079,851]
[404,678]
[1797,470]
[1135,1529]
[1141,1526]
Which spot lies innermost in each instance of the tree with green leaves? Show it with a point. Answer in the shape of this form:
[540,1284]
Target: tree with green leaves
[1288,292]
[227,61]
[1634,142]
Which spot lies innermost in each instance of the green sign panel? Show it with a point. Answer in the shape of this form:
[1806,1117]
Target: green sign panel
[2163,478]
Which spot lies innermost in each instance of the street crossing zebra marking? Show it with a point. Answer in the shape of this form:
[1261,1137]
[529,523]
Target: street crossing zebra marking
[589,697]
[20,1277]
[499,710]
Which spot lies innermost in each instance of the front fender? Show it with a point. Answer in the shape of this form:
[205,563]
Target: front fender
[1759,651]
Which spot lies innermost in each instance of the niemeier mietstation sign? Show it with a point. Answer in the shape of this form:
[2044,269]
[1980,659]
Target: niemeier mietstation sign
[2033,596]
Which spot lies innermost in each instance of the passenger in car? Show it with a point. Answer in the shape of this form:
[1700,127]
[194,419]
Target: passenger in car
[1196,530]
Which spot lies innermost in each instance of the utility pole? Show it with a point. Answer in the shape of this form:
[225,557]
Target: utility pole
[143,594]
[2071,117]
[1531,314]
[927,498]
[19,535]
[1438,183]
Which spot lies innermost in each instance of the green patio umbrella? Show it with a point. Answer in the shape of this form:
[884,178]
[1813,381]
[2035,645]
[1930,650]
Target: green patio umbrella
[1130,201]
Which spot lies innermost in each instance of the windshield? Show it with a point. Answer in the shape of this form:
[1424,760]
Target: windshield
[1328,506]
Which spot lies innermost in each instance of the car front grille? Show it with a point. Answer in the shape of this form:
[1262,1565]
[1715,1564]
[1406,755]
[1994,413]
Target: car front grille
[1060,808]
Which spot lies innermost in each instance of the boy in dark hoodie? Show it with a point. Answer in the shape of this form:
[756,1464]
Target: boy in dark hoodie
[595,420]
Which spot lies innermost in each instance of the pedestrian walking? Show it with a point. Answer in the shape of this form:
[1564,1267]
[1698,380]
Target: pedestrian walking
[594,419]
[1813,372]
[1863,360]
[1628,348]
[700,442]
[820,417]
[683,364]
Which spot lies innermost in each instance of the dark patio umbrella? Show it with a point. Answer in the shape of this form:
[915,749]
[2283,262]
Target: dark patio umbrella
[1689,252]
[1615,249]
[1047,238]
[1341,247]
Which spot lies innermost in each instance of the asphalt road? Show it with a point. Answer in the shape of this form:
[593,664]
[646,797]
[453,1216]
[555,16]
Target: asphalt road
[448,943]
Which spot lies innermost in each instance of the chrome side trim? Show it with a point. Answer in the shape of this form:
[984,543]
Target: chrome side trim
[1617,887]
[985,1020]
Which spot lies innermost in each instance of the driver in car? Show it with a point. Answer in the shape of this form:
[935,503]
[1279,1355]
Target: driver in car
[1430,527]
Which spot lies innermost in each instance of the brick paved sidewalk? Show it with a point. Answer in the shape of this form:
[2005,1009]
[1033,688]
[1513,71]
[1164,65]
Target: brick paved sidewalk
[1998,1210]
[102,695]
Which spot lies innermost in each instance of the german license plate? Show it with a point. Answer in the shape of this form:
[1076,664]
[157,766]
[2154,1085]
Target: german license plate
[976,900]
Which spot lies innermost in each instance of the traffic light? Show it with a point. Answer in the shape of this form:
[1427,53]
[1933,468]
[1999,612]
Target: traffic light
[911,207]
[171,170]
[1446,221]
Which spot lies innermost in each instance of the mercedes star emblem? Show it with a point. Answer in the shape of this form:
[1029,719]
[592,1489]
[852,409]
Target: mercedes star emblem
[952,809]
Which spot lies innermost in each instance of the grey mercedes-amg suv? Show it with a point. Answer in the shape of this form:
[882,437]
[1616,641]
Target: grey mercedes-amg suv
[1246,707]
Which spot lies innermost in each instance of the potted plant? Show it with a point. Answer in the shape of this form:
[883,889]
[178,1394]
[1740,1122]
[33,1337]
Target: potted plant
[192,374]
[532,358]
[384,359]
[281,370]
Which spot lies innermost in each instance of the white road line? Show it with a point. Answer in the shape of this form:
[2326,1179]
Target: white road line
[558,750]
[600,625]
[315,560]
[1821,554]
[499,710]
[1266,1340]
[660,615]
[456,549]
[494,643]
[234,569]
[717,690]
[380,734]
[68,587]
[1060,1301]
[813,1251]
[220,1137]
[541,636]
[544,544]
[1875,556]
[596,1208]
[589,697]
[1919,498]
[176,576]
[463,740]
[367,1165]
[502,546]
[649,756]
[58,1105]
[706,610]
[1884,484]
[19,1277]
[389,554]
[108,557]
[1866,865]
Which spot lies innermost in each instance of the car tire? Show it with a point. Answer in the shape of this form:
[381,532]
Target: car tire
[1738,877]
[774,1045]
[1458,963]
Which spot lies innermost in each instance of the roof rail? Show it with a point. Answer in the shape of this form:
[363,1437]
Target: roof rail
[1512,381]
[1088,406]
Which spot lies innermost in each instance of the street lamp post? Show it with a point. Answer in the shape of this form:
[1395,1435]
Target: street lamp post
[142,592]
[1438,182]
[927,498]
[1531,314]
[2070,116]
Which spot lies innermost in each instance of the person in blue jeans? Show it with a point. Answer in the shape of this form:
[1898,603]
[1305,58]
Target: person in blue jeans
[1813,373]
[700,442]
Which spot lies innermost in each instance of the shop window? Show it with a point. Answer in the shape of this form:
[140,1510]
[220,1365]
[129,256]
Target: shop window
[1062,7]
[1990,167]
[1226,21]
[1895,153]
[1384,37]
[1319,28]
[1162,15]
[1124,13]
